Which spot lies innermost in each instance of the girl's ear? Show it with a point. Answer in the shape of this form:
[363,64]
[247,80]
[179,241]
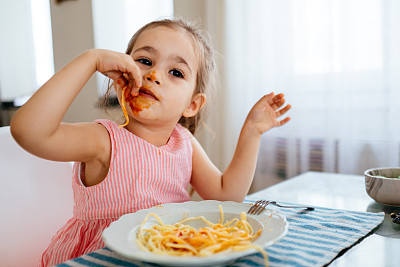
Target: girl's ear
[195,105]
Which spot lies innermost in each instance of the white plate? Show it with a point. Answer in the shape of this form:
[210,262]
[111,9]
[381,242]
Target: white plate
[120,236]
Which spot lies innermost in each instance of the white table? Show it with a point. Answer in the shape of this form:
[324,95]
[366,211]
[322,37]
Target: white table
[347,192]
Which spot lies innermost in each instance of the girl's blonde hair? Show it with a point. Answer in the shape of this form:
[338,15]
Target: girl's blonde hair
[207,72]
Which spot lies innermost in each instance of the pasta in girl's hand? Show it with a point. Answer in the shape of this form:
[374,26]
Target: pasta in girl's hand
[181,239]
[123,106]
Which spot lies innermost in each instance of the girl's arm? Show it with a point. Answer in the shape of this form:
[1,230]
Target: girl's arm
[235,182]
[37,125]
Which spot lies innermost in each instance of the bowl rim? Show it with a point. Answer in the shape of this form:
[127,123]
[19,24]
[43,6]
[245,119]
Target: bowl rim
[366,173]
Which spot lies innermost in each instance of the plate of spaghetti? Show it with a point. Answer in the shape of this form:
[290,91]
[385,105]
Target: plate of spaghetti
[195,233]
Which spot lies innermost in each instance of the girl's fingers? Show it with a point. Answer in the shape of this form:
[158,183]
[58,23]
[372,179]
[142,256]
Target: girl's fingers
[124,79]
[270,98]
[278,104]
[278,97]
[125,73]
[135,77]
[121,82]
[284,121]
[133,73]
[283,110]
[276,101]
[134,88]
[113,74]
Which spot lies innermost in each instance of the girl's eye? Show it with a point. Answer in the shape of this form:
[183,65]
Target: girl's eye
[144,61]
[176,73]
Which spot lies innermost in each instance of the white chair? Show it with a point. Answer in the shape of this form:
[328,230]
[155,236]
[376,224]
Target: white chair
[35,201]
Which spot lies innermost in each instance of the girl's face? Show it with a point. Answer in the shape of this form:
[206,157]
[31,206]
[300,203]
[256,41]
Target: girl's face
[169,65]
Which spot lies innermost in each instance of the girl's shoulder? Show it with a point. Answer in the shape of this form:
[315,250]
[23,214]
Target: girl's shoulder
[183,131]
[107,122]
[111,126]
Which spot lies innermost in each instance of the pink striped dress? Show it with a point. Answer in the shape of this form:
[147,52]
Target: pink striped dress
[141,176]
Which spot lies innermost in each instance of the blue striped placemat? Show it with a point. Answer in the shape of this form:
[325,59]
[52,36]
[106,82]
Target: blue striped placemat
[314,238]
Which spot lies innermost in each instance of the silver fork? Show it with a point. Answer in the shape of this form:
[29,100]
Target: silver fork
[260,205]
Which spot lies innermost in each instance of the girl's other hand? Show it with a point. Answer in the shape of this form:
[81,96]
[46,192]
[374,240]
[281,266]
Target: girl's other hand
[119,67]
[266,112]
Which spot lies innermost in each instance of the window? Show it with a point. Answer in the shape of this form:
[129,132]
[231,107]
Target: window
[338,64]
[331,38]
[25,49]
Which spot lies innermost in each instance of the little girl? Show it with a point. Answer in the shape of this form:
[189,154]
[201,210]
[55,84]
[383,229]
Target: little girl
[162,82]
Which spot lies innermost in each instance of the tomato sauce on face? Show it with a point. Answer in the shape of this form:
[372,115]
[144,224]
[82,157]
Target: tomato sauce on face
[152,76]
[137,103]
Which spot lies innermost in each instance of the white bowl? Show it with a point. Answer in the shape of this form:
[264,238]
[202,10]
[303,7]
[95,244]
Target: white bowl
[384,190]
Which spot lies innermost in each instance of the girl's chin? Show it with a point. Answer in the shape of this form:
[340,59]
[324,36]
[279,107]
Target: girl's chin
[143,117]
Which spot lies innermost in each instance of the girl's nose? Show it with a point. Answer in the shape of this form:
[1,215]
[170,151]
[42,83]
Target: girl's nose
[153,77]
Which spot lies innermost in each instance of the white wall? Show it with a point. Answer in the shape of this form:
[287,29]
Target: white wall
[72,29]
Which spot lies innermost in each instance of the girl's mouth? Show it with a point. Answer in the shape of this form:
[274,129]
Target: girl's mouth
[147,93]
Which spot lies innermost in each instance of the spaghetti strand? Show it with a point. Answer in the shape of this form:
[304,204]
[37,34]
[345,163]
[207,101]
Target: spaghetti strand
[123,106]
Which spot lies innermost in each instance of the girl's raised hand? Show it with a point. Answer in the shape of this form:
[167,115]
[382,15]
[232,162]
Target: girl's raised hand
[266,112]
[119,67]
